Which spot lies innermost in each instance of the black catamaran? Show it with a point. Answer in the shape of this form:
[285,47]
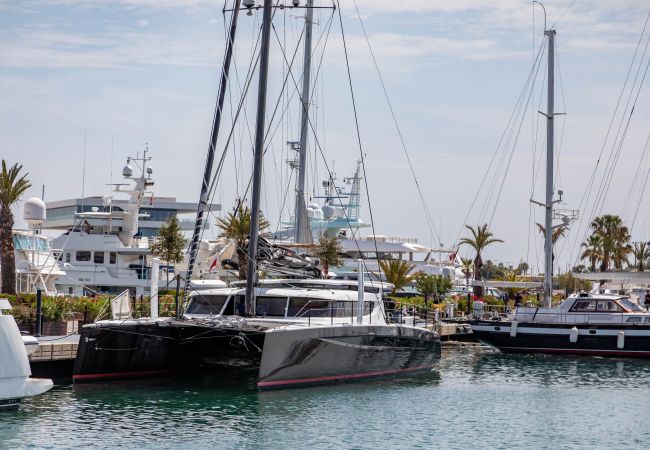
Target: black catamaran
[294,332]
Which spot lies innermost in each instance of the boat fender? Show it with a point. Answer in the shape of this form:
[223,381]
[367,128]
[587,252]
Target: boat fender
[573,335]
[620,340]
[513,329]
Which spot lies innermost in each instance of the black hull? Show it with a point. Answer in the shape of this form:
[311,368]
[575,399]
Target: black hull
[592,340]
[314,356]
[147,349]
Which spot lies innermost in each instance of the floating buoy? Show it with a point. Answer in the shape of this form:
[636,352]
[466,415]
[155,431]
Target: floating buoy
[573,335]
[513,329]
[620,340]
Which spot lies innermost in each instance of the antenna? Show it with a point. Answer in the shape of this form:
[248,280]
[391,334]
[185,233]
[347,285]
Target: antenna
[540,4]
[83,174]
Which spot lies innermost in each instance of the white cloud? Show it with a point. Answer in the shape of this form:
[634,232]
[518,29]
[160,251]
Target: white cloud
[143,23]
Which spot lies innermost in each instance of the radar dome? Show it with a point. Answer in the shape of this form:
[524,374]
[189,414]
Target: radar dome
[34,211]
[328,211]
[127,171]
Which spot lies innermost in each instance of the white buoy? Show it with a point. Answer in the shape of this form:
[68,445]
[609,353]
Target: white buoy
[155,269]
[620,340]
[513,329]
[573,335]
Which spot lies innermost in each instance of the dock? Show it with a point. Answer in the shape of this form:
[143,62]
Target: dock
[54,357]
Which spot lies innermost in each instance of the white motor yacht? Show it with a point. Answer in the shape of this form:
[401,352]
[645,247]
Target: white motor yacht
[15,381]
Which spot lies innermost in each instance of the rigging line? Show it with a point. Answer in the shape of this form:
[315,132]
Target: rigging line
[432,228]
[616,153]
[295,92]
[514,146]
[496,151]
[560,148]
[645,182]
[562,15]
[634,185]
[588,188]
[284,201]
[520,111]
[356,122]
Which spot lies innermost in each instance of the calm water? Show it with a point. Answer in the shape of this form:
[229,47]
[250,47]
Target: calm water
[475,399]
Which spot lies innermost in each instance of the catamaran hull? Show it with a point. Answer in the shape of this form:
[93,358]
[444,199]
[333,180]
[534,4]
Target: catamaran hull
[627,341]
[294,357]
[156,349]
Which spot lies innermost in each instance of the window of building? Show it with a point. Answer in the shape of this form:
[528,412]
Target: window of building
[82,255]
[99,258]
[112,258]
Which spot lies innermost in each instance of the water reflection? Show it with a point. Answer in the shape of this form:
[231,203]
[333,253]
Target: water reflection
[474,396]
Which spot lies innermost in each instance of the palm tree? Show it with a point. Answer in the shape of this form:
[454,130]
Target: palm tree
[467,265]
[12,186]
[558,232]
[593,251]
[641,253]
[397,272]
[615,240]
[236,226]
[481,238]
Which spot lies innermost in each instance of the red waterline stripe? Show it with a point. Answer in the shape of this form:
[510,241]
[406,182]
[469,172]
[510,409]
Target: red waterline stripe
[627,353]
[351,376]
[142,373]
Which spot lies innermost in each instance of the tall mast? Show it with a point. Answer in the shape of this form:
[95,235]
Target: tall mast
[259,153]
[205,185]
[300,216]
[548,224]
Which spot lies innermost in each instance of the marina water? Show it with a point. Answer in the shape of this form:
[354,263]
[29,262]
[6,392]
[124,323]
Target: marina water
[476,398]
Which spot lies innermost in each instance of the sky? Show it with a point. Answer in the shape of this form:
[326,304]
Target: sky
[86,83]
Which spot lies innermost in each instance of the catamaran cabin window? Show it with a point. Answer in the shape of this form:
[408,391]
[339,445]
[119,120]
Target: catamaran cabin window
[82,256]
[112,258]
[99,258]
[608,306]
[584,306]
[271,306]
[206,304]
[308,307]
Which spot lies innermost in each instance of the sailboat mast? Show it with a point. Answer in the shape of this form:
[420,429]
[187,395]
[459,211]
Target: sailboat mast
[300,216]
[205,185]
[258,158]
[548,223]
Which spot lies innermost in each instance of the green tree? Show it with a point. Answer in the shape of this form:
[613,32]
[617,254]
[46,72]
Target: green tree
[593,251]
[236,226]
[397,271]
[641,252]
[426,285]
[481,237]
[170,243]
[467,266]
[12,186]
[615,241]
[328,250]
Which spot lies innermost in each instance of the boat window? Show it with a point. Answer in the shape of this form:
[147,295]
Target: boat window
[647,319]
[67,257]
[206,304]
[608,306]
[99,258]
[584,306]
[271,306]
[112,258]
[629,305]
[635,319]
[309,307]
[82,256]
